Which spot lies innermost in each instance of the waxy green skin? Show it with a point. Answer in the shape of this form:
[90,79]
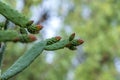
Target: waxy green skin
[58,45]
[31,55]
[23,31]
[13,36]
[4,37]
[8,35]
[24,61]
[13,15]
[52,40]
[17,18]
[62,44]
[52,43]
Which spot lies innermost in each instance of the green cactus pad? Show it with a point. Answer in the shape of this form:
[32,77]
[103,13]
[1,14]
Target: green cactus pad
[17,18]
[13,15]
[13,36]
[24,61]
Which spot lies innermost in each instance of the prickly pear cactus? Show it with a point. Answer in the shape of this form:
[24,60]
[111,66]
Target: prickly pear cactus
[22,36]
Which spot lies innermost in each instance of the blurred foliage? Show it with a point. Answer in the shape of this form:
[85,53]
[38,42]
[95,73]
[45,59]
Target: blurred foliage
[28,4]
[98,23]
[95,21]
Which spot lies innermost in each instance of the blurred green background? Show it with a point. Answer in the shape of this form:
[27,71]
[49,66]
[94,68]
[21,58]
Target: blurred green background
[97,22]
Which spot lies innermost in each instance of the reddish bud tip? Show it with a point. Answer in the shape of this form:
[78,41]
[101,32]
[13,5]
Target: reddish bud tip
[39,27]
[32,37]
[58,38]
[16,40]
[71,36]
[80,41]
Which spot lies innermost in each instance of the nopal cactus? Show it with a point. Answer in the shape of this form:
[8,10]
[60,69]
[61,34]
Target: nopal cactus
[29,56]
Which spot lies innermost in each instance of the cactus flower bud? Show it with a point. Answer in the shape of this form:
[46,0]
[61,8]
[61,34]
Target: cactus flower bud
[80,41]
[39,27]
[32,37]
[53,40]
[58,38]
[71,36]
